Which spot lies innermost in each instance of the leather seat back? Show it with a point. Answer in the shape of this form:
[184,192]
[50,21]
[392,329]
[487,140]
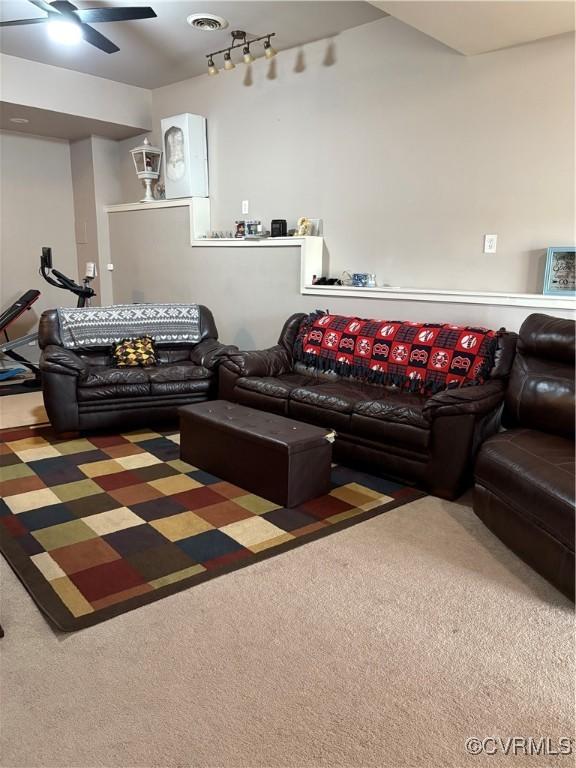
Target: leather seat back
[540,393]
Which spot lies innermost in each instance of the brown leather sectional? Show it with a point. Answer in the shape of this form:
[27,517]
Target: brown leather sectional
[84,391]
[427,440]
[524,477]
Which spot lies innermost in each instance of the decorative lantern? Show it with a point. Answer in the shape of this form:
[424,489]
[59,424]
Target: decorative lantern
[147,163]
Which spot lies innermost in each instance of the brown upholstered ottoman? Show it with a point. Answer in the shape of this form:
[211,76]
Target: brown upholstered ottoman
[285,461]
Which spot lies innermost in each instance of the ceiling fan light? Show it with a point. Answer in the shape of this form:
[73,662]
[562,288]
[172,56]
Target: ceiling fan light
[212,68]
[269,52]
[228,63]
[64,32]
[247,56]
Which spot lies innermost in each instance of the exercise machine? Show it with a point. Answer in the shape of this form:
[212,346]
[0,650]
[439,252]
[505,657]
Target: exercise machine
[84,293]
[8,347]
[58,280]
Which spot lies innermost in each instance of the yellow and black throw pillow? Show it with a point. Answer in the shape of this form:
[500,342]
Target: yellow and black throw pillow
[131,353]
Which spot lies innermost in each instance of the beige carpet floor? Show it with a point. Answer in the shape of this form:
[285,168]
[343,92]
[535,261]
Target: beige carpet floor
[386,645]
[23,409]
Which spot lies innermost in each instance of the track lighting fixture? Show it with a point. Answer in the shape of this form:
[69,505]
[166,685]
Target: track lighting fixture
[239,40]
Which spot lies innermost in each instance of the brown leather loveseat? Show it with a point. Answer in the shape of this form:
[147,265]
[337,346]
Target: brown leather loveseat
[524,477]
[428,440]
[83,390]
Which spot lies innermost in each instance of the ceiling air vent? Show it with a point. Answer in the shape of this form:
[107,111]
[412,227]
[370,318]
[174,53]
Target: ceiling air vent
[207,22]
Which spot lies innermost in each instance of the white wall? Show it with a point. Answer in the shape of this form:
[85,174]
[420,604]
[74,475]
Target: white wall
[36,208]
[409,151]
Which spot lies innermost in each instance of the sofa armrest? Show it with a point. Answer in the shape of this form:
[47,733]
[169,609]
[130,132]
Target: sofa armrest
[210,353]
[55,359]
[475,400]
[263,362]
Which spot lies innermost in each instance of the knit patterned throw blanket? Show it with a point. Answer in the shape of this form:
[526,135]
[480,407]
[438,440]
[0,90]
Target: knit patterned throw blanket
[102,326]
[420,357]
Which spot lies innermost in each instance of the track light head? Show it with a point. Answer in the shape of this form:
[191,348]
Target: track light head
[228,63]
[212,68]
[246,55]
[269,52]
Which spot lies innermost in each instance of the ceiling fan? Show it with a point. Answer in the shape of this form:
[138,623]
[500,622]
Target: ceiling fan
[63,12]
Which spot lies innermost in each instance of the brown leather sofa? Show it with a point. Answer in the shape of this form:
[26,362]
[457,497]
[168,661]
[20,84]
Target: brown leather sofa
[430,441]
[524,477]
[84,391]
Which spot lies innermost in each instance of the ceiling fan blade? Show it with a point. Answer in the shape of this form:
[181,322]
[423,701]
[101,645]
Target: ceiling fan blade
[98,15]
[63,6]
[43,5]
[99,41]
[19,22]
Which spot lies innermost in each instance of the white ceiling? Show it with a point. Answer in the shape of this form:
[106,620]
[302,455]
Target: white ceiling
[479,26]
[156,52]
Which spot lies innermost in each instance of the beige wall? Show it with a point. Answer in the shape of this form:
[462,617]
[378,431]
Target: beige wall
[107,191]
[34,84]
[36,209]
[409,151]
[86,228]
[251,291]
[96,184]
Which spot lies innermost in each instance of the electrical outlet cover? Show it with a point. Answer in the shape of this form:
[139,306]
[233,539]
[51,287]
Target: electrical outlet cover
[490,243]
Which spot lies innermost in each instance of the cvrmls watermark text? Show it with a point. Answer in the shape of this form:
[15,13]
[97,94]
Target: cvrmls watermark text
[519,745]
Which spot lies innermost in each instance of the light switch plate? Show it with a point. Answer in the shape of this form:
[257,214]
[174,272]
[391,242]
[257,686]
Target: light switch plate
[490,243]
[110,267]
[245,206]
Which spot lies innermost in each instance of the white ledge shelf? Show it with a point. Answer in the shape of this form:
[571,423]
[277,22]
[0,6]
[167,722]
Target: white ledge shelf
[535,300]
[265,242]
[179,203]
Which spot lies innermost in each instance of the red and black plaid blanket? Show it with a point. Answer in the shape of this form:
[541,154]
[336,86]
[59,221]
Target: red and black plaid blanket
[421,357]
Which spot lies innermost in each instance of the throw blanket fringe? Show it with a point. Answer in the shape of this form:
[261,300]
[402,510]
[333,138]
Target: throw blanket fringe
[102,326]
[417,357]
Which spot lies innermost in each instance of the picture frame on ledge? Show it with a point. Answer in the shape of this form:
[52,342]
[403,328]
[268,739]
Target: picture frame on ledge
[185,156]
[560,272]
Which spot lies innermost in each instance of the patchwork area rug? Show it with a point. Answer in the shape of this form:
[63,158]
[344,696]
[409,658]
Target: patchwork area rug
[97,526]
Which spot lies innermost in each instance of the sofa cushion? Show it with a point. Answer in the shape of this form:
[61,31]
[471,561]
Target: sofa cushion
[534,473]
[104,376]
[102,382]
[396,406]
[371,411]
[273,386]
[182,371]
[113,391]
[340,396]
[395,418]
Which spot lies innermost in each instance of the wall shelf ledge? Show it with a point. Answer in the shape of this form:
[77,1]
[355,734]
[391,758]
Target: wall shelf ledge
[534,300]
